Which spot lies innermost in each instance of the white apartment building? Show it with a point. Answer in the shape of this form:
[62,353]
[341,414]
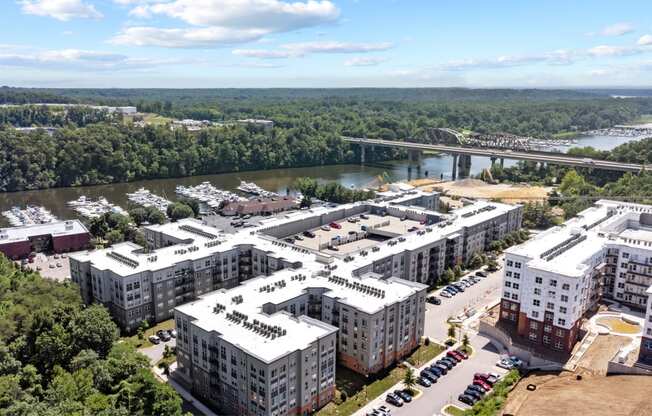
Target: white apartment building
[551,281]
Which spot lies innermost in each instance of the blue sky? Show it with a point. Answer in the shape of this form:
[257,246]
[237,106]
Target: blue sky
[326,43]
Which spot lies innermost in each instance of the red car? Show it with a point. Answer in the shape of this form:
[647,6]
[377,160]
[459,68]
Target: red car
[484,377]
[454,355]
[335,225]
[462,354]
[482,383]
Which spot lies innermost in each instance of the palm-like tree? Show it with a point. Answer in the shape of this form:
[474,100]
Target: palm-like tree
[409,380]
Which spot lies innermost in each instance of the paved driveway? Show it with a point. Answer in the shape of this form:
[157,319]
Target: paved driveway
[476,296]
[446,390]
[155,352]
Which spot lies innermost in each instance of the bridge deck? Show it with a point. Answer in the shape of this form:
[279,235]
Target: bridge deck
[547,157]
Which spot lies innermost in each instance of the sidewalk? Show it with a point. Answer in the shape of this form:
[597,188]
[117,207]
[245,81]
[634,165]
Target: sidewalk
[187,396]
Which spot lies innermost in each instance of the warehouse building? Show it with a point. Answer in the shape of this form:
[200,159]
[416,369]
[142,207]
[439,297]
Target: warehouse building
[55,237]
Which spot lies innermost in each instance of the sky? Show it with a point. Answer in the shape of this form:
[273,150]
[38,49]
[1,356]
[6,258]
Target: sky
[326,43]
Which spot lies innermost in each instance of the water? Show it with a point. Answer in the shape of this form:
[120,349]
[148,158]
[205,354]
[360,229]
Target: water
[277,180]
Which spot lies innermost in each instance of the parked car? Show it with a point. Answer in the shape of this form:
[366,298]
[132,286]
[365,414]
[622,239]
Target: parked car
[325,228]
[434,300]
[454,355]
[463,354]
[289,240]
[466,399]
[443,368]
[298,238]
[482,384]
[163,335]
[473,393]
[429,376]
[404,395]
[505,363]
[516,361]
[335,225]
[394,399]
[481,274]
[154,339]
[173,333]
[384,410]
[451,361]
[436,370]
[447,364]
[445,294]
[309,234]
[452,289]
[476,388]
[459,287]
[493,378]
[424,382]
[364,216]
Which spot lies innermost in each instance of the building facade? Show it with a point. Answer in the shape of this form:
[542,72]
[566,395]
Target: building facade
[553,280]
[56,237]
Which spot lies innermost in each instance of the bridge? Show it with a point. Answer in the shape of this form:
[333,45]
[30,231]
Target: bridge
[462,155]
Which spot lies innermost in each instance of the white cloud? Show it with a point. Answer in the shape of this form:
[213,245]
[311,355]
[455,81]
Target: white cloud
[600,72]
[365,61]
[608,50]
[618,29]
[184,38]
[60,9]
[214,23]
[297,50]
[645,40]
[76,59]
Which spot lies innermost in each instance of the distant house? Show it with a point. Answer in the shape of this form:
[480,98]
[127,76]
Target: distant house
[260,206]
[57,237]
[266,124]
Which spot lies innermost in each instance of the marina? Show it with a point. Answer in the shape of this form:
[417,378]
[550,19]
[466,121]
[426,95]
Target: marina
[208,196]
[253,189]
[89,208]
[144,197]
[31,215]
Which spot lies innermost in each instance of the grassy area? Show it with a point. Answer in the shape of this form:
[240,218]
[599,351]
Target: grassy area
[492,403]
[425,353]
[144,343]
[156,120]
[453,410]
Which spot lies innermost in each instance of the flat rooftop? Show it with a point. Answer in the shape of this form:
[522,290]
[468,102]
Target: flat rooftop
[249,298]
[56,229]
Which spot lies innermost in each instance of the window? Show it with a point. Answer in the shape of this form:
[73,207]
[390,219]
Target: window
[561,321]
[508,274]
[550,306]
[508,284]
[514,296]
[562,309]
[517,265]
[625,255]
[510,263]
[533,336]
[537,291]
[515,286]
[564,298]
[535,314]
[547,328]
[553,283]
[538,280]
[536,302]
[517,275]
[565,286]
[534,325]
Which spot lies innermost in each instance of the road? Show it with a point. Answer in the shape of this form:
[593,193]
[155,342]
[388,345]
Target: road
[446,390]
[476,296]
[547,157]
[155,352]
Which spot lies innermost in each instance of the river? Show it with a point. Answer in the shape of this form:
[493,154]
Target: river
[274,180]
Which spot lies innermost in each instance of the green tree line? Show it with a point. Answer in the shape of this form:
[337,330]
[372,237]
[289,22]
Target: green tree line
[58,357]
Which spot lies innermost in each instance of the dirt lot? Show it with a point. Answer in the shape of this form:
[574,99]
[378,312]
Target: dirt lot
[602,350]
[593,395]
[474,188]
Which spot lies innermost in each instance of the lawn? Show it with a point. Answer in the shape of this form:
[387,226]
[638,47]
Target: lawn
[425,353]
[144,343]
[353,384]
[453,410]
[156,120]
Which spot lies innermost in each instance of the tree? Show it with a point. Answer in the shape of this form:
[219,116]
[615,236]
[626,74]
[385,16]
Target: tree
[94,330]
[138,215]
[179,210]
[448,276]
[409,379]
[465,342]
[476,261]
[452,330]
[458,271]
[114,237]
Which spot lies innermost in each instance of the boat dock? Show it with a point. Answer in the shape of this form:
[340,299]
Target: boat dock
[209,197]
[253,189]
[31,215]
[146,198]
[88,208]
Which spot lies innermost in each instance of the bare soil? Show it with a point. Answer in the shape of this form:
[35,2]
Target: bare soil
[562,394]
[603,349]
[509,193]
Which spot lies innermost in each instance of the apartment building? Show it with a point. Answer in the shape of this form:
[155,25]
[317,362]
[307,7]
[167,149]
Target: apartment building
[270,345]
[553,280]
[645,351]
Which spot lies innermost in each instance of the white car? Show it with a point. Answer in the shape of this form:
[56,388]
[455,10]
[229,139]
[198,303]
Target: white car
[384,410]
[516,361]
[505,363]
[444,294]
[325,228]
[154,339]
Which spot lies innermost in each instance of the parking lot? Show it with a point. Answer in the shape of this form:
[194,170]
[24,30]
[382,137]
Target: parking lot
[446,390]
[226,223]
[55,267]
[474,297]
[350,237]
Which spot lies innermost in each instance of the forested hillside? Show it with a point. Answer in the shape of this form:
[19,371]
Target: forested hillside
[60,358]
